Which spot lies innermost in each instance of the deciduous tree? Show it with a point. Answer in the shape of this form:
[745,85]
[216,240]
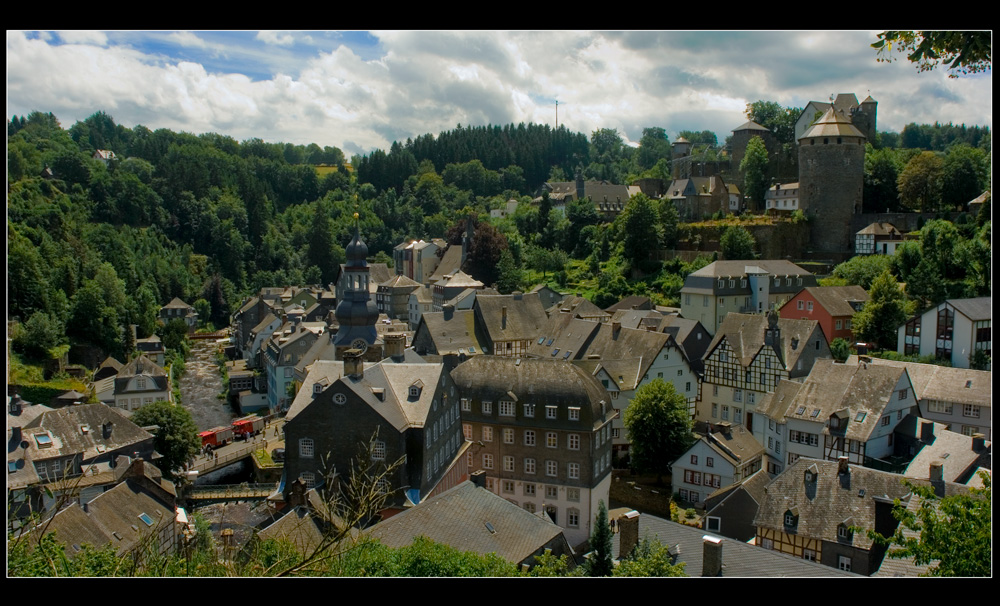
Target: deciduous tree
[754,168]
[176,436]
[737,243]
[659,427]
[884,312]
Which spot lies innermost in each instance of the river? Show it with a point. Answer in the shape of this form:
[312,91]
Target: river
[200,387]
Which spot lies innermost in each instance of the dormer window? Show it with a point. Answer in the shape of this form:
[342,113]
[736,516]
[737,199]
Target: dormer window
[844,532]
[792,518]
[415,389]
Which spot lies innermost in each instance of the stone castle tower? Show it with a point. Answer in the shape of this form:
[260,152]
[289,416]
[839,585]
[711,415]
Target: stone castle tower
[680,158]
[356,312]
[831,177]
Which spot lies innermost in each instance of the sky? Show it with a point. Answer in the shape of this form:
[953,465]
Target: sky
[361,90]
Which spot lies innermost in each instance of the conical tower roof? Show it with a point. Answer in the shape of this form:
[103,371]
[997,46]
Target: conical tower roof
[357,250]
[832,124]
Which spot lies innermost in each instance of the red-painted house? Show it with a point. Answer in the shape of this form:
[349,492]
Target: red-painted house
[831,306]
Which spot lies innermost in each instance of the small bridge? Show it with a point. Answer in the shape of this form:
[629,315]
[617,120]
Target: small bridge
[202,495]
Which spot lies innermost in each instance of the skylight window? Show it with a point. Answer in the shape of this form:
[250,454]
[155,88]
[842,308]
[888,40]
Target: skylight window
[801,410]
[814,413]
[555,351]
[860,416]
[146,519]
[550,342]
[541,340]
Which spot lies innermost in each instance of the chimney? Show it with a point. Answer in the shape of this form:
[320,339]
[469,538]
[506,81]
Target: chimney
[15,434]
[616,327]
[937,477]
[978,442]
[862,349]
[711,563]
[395,344]
[927,431]
[449,310]
[842,466]
[503,317]
[478,478]
[628,533]
[354,364]
[106,429]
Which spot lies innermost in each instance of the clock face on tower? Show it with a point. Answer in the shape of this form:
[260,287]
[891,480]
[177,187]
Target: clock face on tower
[360,344]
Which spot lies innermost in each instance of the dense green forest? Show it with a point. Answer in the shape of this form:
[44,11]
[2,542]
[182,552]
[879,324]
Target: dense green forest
[94,246]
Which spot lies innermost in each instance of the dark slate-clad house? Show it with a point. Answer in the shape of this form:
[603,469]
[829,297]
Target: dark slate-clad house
[541,430]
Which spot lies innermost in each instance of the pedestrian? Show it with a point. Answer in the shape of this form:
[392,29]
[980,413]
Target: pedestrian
[276,432]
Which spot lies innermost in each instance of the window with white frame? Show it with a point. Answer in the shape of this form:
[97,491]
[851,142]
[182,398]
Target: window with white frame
[529,410]
[508,463]
[529,465]
[508,435]
[970,410]
[573,469]
[939,406]
[306,448]
[844,563]
[506,409]
[551,439]
[487,408]
[715,410]
[467,431]
[573,441]
[574,413]
[710,461]
[529,507]
[487,461]
[309,478]
[529,437]
[466,405]
[551,468]
[737,395]
[886,420]
[573,518]
[725,412]
[487,433]
[737,415]
[551,412]
[378,450]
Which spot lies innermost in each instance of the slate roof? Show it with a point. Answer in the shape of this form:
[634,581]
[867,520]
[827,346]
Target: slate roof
[108,368]
[943,383]
[745,335]
[451,261]
[494,378]
[738,559]
[458,518]
[141,366]
[400,281]
[631,302]
[829,501]
[579,307]
[525,317]
[832,123]
[753,485]
[836,300]
[750,125]
[881,228]
[702,281]
[112,517]
[176,303]
[459,279]
[737,446]
[980,308]
[953,450]
[832,387]
[65,425]
[454,336]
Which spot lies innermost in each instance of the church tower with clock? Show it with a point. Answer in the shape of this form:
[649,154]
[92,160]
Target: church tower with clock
[356,312]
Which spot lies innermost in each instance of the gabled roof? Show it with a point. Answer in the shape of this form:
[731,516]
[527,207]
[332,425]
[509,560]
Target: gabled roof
[980,308]
[753,485]
[956,452]
[943,383]
[141,365]
[525,317]
[631,302]
[176,303]
[470,518]
[579,307]
[738,559]
[737,446]
[400,281]
[738,269]
[880,228]
[453,336]
[66,426]
[836,300]
[856,389]
[745,335]
[828,501]
[751,125]
[451,261]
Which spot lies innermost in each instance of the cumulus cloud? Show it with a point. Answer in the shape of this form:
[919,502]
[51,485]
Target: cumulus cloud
[361,91]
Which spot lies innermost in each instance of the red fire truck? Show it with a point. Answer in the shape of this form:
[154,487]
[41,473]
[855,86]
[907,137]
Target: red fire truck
[216,437]
[248,426]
